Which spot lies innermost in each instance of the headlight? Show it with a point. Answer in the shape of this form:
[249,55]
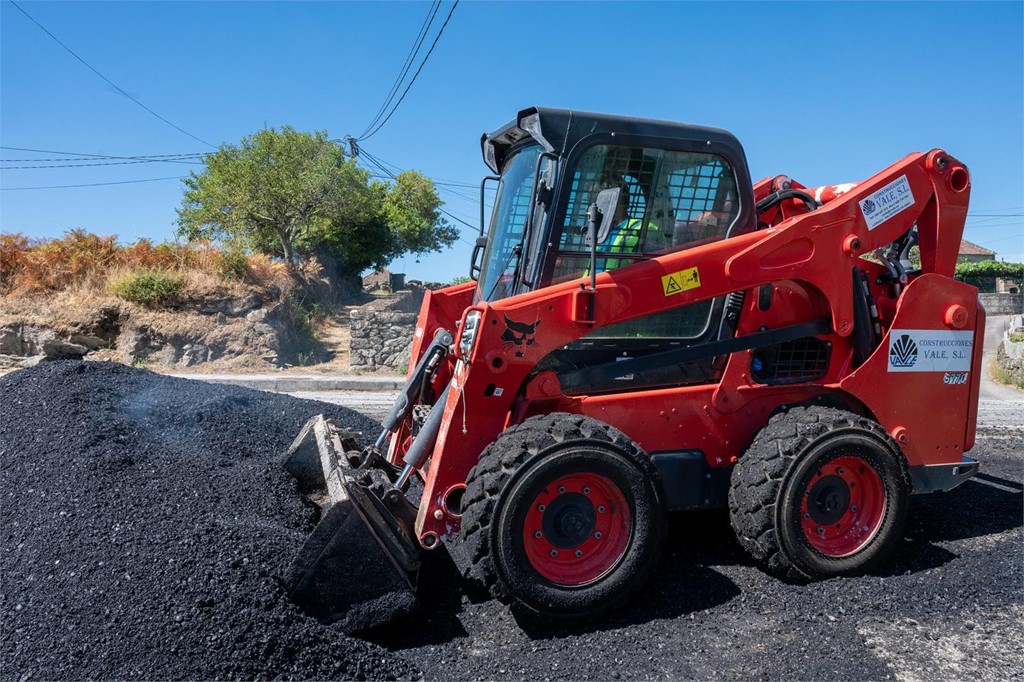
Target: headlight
[469,333]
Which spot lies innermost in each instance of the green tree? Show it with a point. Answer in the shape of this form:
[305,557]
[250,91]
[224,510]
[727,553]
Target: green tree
[293,194]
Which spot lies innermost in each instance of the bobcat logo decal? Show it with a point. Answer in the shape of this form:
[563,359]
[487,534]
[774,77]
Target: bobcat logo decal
[903,352]
[519,334]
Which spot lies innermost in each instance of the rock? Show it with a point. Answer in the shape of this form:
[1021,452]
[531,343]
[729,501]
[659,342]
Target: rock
[232,307]
[194,354]
[90,341]
[55,348]
[10,340]
[240,306]
[256,316]
[27,341]
[221,318]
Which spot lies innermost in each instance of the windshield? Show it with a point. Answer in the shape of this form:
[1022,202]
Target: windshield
[511,208]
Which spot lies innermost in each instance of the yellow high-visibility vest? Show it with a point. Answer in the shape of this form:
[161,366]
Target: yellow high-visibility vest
[626,239]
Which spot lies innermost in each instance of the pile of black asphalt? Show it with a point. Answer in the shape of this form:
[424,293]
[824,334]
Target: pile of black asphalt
[146,523]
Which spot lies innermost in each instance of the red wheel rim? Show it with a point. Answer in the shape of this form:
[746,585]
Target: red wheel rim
[577,529]
[843,506]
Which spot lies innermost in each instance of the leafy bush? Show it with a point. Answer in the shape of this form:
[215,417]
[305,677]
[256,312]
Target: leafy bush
[990,268]
[234,265]
[983,274]
[148,286]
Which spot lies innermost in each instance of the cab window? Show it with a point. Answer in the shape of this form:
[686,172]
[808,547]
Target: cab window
[668,200]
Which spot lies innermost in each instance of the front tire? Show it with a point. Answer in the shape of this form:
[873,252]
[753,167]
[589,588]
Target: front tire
[820,493]
[563,515]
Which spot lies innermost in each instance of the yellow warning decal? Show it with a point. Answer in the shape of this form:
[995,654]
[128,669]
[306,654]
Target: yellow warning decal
[681,281]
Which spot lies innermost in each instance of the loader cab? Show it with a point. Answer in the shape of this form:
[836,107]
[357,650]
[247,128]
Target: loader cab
[675,187]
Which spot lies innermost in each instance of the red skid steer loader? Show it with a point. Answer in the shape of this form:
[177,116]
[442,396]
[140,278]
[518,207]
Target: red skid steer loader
[649,332]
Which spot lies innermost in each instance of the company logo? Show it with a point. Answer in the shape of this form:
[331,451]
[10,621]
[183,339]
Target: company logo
[868,206]
[519,334]
[903,352]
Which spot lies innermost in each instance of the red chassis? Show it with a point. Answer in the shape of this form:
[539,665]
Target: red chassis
[806,258]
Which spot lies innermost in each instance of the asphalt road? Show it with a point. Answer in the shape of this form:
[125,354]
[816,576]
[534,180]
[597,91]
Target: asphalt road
[949,605]
[990,390]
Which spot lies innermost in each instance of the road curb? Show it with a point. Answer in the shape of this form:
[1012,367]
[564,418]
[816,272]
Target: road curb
[292,384]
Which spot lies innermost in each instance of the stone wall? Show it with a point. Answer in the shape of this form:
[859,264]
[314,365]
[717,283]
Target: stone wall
[1002,304]
[381,339]
[1010,354]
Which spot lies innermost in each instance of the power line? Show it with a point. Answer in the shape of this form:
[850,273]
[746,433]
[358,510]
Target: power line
[110,82]
[380,165]
[96,156]
[1002,239]
[380,125]
[383,166]
[95,184]
[417,43]
[103,163]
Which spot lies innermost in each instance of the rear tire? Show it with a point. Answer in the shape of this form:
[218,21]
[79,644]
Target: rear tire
[820,493]
[563,515]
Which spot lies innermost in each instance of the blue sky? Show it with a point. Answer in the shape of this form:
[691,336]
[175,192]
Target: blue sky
[823,92]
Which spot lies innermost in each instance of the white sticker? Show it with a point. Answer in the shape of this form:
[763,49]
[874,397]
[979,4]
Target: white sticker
[930,350]
[954,378]
[498,392]
[886,202]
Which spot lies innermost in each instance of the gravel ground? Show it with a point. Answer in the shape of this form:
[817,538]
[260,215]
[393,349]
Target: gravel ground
[145,518]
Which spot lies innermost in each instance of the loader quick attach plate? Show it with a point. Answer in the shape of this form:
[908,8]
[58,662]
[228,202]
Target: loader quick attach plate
[358,567]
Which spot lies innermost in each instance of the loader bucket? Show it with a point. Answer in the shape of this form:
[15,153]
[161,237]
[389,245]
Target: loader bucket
[358,567]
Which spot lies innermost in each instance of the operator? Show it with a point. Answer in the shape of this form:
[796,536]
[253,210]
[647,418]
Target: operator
[624,237]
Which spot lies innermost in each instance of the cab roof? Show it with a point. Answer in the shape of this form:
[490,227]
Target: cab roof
[559,130]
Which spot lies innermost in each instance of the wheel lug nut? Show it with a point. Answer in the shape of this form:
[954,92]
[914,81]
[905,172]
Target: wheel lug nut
[554,553]
[579,553]
[540,507]
[597,535]
[839,471]
[586,491]
[853,507]
[600,509]
[561,489]
[538,535]
[806,515]
[821,531]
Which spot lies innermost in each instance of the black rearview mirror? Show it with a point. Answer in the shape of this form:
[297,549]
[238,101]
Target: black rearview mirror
[475,265]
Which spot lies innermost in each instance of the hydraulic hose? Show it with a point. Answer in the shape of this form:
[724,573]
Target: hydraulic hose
[776,197]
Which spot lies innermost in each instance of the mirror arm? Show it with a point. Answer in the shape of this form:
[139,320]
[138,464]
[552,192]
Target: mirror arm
[483,187]
[593,218]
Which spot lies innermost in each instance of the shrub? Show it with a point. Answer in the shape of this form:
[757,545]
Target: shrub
[12,258]
[990,268]
[148,286]
[234,265]
[80,259]
[60,263]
